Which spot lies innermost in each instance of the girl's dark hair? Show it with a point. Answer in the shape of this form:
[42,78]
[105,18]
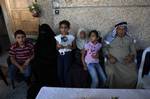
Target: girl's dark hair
[95,32]
[65,22]
[19,32]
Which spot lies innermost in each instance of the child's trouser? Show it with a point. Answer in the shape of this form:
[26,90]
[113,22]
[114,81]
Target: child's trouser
[64,64]
[97,74]
[13,71]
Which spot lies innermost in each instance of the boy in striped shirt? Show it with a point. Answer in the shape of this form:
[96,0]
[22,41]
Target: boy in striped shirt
[21,53]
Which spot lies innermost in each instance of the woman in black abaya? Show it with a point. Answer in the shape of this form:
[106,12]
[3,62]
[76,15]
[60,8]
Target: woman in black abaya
[44,66]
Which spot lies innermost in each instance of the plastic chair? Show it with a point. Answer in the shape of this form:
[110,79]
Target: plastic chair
[143,81]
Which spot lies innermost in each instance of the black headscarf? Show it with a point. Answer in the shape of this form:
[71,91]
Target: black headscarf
[46,44]
[44,65]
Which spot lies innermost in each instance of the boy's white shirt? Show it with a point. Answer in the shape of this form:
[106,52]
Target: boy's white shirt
[69,42]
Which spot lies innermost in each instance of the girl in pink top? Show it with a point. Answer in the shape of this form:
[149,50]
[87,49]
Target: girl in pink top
[90,59]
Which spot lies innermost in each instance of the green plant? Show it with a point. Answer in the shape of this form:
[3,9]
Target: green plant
[34,7]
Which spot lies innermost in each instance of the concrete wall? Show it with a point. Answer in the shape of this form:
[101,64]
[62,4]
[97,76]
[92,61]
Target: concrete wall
[47,12]
[101,15]
[75,3]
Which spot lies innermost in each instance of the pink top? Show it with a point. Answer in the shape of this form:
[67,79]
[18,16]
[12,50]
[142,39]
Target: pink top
[92,49]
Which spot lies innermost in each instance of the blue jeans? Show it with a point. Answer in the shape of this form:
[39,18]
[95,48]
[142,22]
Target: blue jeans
[64,64]
[97,74]
[13,70]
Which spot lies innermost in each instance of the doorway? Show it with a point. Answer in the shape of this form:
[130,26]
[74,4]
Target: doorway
[4,38]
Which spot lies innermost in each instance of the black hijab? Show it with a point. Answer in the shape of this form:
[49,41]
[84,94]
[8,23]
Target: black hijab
[44,66]
[45,48]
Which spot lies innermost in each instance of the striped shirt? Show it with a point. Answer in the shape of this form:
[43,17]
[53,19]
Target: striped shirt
[21,54]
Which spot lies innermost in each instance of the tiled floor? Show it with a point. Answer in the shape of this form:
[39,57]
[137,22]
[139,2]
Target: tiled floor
[6,92]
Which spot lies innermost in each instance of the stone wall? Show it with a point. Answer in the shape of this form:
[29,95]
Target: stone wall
[101,15]
[77,3]
[47,12]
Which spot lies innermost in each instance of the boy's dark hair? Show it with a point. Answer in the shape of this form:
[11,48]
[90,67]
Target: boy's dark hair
[65,22]
[95,32]
[19,32]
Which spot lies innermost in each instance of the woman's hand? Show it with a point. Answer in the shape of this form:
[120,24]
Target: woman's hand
[83,59]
